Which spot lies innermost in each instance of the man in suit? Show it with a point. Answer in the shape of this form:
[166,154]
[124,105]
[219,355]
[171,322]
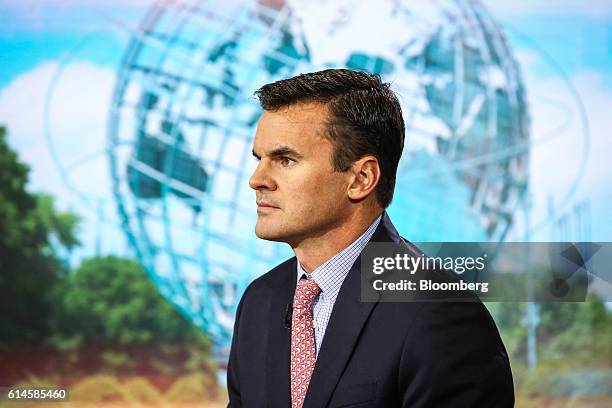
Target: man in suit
[328,145]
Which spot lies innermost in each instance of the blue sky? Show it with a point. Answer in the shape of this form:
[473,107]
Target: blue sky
[32,32]
[576,43]
[25,50]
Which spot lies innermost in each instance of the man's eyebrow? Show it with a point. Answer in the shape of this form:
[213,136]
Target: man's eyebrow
[280,151]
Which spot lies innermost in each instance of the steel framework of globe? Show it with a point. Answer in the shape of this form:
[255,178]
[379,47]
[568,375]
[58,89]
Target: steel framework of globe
[182,122]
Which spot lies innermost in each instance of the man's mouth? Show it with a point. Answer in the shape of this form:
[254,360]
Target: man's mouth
[263,203]
[266,205]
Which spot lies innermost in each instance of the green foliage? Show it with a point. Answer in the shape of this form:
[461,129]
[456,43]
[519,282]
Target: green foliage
[572,383]
[15,201]
[111,301]
[569,334]
[576,333]
[106,316]
[30,274]
[111,306]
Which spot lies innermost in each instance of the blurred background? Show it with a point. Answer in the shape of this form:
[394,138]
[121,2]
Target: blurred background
[126,220]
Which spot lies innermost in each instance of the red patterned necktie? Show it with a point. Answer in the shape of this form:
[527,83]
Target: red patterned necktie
[303,351]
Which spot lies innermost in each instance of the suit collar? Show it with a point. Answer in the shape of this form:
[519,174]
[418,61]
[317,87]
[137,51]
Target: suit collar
[386,231]
[346,322]
[279,338]
[331,274]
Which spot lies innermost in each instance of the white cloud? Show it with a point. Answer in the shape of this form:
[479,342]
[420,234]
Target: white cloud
[78,106]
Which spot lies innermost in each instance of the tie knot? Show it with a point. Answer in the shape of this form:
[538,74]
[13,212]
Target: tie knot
[306,291]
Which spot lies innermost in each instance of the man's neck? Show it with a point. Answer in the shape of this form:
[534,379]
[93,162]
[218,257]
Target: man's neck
[315,251]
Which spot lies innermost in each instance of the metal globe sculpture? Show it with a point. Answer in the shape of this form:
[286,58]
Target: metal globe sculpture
[183,118]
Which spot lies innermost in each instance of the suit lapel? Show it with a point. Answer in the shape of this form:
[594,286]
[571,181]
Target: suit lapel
[279,340]
[348,317]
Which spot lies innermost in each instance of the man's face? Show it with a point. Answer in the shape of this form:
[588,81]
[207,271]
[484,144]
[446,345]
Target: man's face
[299,195]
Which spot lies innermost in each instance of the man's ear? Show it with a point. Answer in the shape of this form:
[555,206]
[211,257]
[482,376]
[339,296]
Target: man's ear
[364,179]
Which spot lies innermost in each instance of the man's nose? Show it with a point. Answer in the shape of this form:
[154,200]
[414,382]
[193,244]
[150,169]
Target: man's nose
[261,179]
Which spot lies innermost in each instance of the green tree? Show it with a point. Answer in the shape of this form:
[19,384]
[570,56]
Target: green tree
[111,305]
[30,273]
[110,300]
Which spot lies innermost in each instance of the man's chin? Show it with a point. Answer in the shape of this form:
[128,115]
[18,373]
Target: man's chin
[269,233]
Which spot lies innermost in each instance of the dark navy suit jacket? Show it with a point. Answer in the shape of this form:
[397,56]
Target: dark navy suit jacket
[378,354]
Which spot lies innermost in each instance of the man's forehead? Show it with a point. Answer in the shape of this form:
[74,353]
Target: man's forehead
[296,127]
[298,114]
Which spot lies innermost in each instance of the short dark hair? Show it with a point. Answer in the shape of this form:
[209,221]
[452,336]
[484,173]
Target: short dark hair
[365,117]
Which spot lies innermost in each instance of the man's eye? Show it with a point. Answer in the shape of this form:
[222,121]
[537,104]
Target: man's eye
[286,161]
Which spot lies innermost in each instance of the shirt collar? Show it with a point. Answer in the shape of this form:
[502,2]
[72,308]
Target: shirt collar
[330,275]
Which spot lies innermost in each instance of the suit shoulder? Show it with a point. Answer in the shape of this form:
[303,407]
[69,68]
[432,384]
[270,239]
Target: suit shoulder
[468,321]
